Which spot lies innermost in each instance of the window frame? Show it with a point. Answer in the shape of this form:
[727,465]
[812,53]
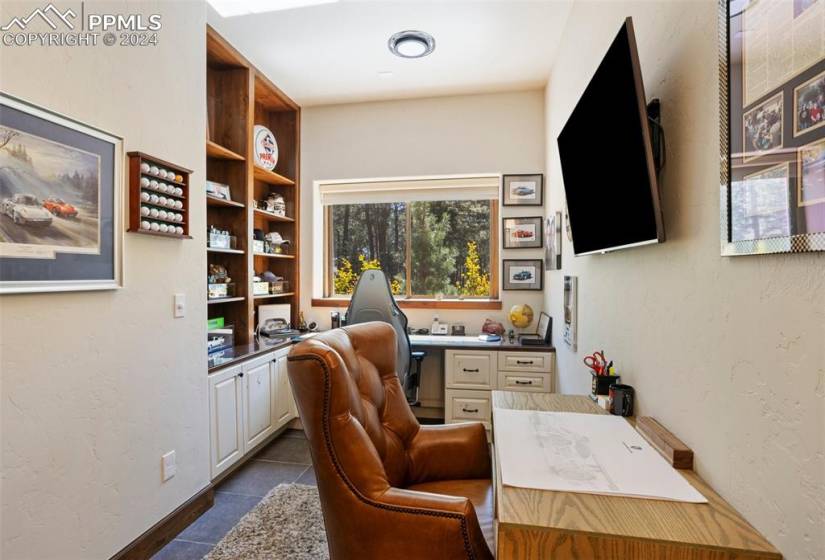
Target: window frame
[493,301]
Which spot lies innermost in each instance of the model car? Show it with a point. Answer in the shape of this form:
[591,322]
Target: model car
[60,207]
[523,275]
[524,191]
[25,209]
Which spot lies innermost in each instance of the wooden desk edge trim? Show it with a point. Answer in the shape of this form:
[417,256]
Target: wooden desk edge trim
[744,553]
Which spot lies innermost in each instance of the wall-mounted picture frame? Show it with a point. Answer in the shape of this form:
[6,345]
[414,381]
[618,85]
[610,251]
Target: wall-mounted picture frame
[571,299]
[522,233]
[522,190]
[552,242]
[771,128]
[60,202]
[527,274]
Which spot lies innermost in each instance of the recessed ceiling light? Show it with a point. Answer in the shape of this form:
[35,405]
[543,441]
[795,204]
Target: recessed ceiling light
[230,8]
[411,44]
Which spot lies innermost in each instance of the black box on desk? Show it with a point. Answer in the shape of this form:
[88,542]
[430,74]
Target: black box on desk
[600,384]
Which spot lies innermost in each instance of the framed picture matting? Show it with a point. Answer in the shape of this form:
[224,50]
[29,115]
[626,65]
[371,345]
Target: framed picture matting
[61,184]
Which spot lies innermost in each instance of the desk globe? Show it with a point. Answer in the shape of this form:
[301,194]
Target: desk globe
[521,315]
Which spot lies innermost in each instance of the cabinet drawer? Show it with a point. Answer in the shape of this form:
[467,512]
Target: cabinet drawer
[529,382]
[470,370]
[468,406]
[526,361]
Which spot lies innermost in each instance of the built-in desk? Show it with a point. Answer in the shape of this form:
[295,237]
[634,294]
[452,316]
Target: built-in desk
[473,368]
[446,342]
[535,524]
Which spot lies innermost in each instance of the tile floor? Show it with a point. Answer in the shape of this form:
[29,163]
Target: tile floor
[286,459]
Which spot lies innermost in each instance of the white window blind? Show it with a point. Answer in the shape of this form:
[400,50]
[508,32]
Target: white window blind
[483,187]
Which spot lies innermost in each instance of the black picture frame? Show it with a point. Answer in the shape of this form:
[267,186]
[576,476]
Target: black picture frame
[508,224]
[772,136]
[545,327]
[510,198]
[520,284]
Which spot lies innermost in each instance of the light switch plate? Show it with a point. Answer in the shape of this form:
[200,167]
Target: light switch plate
[168,466]
[180,305]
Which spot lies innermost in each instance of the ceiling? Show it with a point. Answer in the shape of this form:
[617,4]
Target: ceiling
[337,53]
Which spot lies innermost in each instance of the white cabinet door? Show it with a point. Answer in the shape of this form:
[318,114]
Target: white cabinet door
[284,404]
[226,419]
[258,403]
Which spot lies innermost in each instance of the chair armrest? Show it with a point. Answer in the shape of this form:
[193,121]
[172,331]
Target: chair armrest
[449,452]
[447,524]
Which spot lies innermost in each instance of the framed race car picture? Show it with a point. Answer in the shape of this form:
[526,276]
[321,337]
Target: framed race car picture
[522,274]
[60,185]
[522,190]
[522,233]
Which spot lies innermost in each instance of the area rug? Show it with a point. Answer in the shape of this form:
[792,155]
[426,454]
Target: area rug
[286,524]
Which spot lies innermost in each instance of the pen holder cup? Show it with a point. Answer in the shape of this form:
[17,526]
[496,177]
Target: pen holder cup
[600,384]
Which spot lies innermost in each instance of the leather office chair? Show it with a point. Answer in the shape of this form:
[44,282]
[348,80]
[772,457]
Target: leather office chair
[389,487]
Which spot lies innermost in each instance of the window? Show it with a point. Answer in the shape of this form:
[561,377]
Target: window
[429,245]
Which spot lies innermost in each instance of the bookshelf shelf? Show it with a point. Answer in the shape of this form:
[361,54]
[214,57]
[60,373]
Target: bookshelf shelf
[215,150]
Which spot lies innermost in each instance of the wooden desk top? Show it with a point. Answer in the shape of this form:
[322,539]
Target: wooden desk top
[448,342]
[714,526]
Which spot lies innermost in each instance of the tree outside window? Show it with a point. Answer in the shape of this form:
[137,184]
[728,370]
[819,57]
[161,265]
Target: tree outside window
[427,249]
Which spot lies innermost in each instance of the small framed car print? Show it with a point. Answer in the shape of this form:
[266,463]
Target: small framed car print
[522,190]
[523,274]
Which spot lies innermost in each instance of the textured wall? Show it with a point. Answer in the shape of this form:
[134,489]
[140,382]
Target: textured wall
[493,133]
[96,386]
[729,353]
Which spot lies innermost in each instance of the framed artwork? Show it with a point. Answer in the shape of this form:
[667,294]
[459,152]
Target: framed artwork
[522,233]
[552,242]
[220,190]
[571,298]
[523,274]
[60,202]
[522,190]
[762,127]
[545,327]
[809,105]
[810,176]
[772,138]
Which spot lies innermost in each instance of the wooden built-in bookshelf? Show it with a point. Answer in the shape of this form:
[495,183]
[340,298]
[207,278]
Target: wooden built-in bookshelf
[239,97]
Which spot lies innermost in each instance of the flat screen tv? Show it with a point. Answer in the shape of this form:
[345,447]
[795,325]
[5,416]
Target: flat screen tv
[607,159]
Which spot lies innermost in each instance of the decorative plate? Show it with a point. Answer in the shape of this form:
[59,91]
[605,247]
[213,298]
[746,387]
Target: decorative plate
[266,148]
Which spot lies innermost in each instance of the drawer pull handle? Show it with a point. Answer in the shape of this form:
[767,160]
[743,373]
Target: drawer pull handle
[469,410]
[525,363]
[523,382]
[470,370]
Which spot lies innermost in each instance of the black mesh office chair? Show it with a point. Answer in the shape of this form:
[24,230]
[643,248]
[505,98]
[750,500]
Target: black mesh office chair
[372,300]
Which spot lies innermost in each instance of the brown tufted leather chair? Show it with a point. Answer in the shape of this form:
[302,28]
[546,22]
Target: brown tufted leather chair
[390,488]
